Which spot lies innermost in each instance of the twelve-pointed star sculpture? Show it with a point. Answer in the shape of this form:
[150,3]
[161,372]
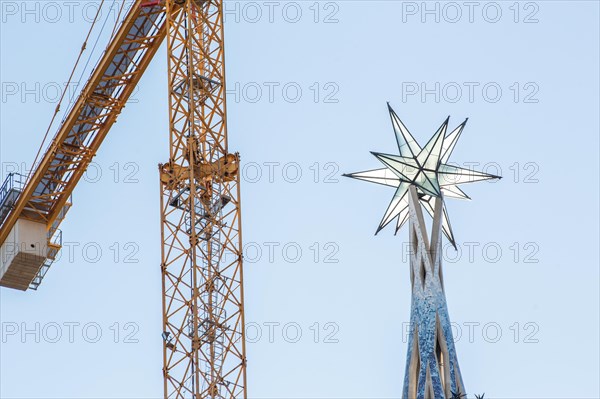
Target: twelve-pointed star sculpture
[426,168]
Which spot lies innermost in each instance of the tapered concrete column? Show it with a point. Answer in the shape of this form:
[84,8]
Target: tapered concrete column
[431,366]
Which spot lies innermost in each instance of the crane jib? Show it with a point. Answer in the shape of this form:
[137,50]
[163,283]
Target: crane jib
[37,207]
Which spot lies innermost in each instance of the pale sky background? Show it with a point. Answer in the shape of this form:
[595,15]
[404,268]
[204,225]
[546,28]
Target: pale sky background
[524,300]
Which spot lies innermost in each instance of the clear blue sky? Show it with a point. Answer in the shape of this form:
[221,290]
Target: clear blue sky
[523,291]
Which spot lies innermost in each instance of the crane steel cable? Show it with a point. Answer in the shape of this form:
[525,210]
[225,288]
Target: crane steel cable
[92,53]
[57,109]
[112,35]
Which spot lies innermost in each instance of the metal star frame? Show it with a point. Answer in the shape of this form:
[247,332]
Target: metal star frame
[426,168]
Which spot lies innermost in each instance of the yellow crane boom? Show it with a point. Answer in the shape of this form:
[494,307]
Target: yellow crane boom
[44,198]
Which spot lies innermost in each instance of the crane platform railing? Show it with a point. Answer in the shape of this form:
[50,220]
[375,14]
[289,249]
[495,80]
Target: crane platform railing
[9,192]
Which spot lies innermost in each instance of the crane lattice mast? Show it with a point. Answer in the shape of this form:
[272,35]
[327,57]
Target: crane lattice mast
[201,227]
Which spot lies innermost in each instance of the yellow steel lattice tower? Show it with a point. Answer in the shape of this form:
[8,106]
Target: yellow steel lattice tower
[203,307]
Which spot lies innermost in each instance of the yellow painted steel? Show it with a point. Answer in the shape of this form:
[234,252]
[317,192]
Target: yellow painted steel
[203,301]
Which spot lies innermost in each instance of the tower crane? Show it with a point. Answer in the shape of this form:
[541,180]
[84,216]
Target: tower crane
[201,259]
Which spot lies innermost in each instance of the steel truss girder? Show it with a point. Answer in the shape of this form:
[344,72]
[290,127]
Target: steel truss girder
[87,123]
